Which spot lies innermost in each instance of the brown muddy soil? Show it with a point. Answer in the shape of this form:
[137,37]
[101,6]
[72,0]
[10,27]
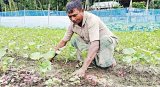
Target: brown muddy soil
[120,76]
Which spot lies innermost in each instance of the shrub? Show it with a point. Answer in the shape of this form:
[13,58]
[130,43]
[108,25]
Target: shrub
[139,4]
[155,4]
[118,6]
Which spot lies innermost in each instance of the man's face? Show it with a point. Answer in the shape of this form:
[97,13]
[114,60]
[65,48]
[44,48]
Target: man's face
[76,16]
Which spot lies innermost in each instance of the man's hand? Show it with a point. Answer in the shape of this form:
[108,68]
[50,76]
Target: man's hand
[79,73]
[91,54]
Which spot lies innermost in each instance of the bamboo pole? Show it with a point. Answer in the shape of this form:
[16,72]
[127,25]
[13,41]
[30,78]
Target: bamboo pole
[130,4]
[147,6]
[24,12]
[48,13]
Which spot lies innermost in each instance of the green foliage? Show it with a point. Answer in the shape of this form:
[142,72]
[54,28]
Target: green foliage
[139,47]
[155,4]
[139,5]
[37,45]
[2,53]
[13,5]
[44,65]
[128,51]
[35,56]
[6,62]
[49,55]
[43,61]
[118,6]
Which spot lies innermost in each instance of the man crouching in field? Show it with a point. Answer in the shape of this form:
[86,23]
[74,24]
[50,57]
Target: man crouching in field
[93,36]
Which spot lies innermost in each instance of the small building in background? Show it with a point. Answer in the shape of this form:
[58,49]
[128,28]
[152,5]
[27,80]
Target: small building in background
[104,5]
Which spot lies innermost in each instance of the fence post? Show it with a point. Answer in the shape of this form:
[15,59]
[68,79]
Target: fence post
[24,17]
[155,18]
[48,13]
[0,17]
[129,19]
[0,20]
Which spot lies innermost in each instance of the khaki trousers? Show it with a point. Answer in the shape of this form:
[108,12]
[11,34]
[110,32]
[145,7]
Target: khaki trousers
[104,57]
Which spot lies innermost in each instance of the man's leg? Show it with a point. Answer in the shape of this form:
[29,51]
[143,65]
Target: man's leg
[105,57]
[80,46]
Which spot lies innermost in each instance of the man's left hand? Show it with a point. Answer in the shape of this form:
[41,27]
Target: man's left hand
[79,73]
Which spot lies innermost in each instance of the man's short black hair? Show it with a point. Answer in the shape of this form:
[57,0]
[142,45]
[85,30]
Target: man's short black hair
[73,4]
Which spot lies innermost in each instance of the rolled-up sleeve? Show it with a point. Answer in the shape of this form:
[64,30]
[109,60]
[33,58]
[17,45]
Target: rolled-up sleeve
[68,34]
[94,31]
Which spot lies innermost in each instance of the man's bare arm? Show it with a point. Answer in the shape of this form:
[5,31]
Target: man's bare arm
[61,44]
[93,49]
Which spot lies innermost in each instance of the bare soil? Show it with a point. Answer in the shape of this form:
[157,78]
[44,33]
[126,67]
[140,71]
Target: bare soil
[120,76]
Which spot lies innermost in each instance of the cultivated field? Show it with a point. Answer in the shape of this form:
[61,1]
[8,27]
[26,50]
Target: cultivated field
[24,54]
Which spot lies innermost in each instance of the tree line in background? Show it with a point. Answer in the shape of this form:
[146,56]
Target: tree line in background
[153,4]
[13,5]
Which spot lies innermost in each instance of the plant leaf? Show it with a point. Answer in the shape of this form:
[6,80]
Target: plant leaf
[49,55]
[127,59]
[45,65]
[31,43]
[128,51]
[7,60]
[25,47]
[25,55]
[35,56]
[2,53]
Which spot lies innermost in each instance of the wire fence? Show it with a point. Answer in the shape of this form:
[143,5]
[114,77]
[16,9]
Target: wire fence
[116,19]
[101,13]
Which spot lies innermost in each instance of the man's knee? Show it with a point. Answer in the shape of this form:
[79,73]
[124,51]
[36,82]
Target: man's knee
[79,43]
